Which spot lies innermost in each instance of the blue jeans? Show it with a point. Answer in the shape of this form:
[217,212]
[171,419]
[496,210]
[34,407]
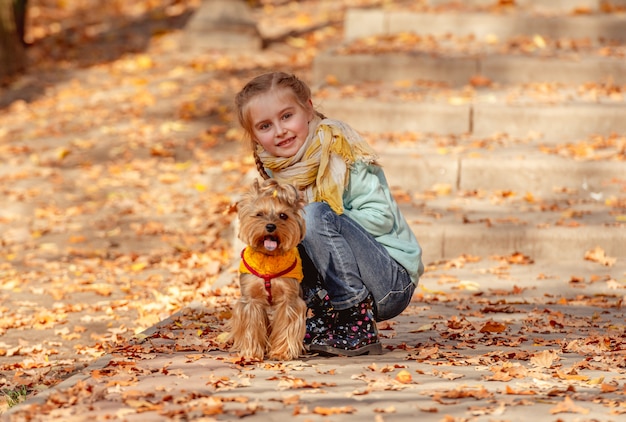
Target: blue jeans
[351,265]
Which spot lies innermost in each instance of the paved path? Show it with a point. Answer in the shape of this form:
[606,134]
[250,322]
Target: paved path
[484,339]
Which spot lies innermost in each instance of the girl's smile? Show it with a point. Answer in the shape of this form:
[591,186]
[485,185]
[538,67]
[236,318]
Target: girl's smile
[279,123]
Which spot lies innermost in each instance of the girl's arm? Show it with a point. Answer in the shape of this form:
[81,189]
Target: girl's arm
[367,199]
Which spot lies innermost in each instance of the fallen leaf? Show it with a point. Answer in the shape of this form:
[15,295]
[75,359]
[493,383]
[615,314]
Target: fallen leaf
[404,377]
[544,359]
[327,411]
[493,327]
[568,406]
[598,255]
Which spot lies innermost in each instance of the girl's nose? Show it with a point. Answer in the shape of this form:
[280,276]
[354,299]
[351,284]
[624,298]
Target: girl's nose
[280,130]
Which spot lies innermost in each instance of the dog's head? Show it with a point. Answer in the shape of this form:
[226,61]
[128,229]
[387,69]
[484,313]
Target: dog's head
[271,217]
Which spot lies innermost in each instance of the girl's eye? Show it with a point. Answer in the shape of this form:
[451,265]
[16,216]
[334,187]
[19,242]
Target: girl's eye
[264,126]
[283,216]
[287,115]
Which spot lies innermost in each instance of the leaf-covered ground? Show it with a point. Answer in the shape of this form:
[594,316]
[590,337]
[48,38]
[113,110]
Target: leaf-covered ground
[489,338]
[121,162]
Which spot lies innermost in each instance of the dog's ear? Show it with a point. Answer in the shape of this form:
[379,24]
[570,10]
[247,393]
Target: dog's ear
[300,199]
[292,196]
[256,187]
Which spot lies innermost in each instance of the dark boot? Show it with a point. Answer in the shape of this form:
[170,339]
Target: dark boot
[322,316]
[354,333]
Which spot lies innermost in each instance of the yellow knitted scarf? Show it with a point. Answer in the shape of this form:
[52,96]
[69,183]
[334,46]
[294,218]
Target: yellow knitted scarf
[271,265]
[320,167]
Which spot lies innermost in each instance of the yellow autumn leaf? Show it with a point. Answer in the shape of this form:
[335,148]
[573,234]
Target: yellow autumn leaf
[138,266]
[404,377]
[442,189]
[144,61]
[596,381]
[230,165]
[233,134]
[303,19]
[457,100]
[539,41]
[62,152]
[469,285]
[435,292]
[425,327]
[222,338]
[491,39]
[297,42]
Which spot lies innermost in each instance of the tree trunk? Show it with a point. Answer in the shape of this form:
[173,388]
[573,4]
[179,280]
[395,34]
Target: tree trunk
[12,53]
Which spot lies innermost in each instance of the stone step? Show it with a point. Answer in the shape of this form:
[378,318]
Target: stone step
[465,195]
[497,234]
[556,113]
[486,223]
[361,23]
[487,205]
[524,171]
[538,6]
[456,62]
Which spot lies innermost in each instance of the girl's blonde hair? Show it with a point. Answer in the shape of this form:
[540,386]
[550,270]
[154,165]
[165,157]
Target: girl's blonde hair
[260,85]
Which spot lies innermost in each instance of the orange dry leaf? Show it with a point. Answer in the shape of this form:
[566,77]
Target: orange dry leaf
[571,376]
[544,359]
[461,393]
[507,371]
[509,390]
[404,377]
[77,239]
[608,388]
[327,411]
[97,373]
[568,406]
[332,80]
[519,258]
[598,255]
[480,80]
[493,327]
[122,383]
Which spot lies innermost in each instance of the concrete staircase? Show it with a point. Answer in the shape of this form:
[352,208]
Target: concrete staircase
[502,124]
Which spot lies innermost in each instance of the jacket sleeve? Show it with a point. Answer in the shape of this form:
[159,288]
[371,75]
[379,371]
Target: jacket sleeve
[365,200]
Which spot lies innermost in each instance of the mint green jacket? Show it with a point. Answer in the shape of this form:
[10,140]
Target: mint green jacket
[368,201]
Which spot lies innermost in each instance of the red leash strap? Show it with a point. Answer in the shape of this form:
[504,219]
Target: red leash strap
[267,277]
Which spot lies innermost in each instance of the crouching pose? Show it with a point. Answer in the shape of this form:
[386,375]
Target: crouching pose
[361,260]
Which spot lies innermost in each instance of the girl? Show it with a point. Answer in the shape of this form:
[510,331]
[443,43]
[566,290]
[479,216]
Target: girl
[361,259]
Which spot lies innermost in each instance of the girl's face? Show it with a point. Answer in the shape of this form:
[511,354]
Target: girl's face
[279,124]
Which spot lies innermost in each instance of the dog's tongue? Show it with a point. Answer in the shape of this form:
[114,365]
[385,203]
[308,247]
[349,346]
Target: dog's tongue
[270,244]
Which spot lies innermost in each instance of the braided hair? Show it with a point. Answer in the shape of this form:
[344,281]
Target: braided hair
[260,85]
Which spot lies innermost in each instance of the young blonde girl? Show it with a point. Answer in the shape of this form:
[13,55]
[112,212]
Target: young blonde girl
[361,260]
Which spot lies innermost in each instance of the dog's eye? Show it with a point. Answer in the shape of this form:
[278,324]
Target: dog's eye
[283,216]
[259,214]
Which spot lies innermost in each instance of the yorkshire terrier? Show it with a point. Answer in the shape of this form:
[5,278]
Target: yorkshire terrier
[270,316]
